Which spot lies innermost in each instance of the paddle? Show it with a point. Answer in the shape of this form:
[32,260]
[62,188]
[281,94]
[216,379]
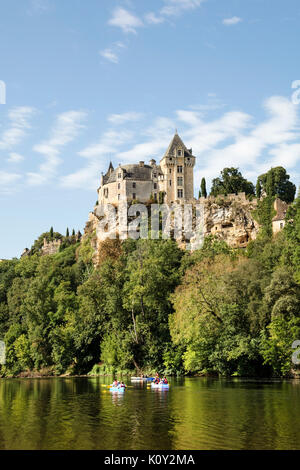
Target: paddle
[109,386]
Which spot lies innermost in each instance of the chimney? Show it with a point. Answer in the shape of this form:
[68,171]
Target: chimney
[142,163]
[152,162]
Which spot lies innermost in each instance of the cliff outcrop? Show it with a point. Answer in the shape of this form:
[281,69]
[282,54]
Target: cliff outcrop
[227,217]
[230,219]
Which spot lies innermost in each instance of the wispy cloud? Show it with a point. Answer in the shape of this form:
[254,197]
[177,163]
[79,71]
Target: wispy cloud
[254,147]
[109,55]
[15,158]
[157,137]
[176,7]
[129,22]
[66,129]
[112,53]
[232,139]
[172,9]
[125,20]
[97,156]
[152,18]
[8,181]
[118,119]
[232,21]
[19,124]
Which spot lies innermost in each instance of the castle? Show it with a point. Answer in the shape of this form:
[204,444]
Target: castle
[170,181]
[229,217]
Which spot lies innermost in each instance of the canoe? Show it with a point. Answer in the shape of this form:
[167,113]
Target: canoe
[117,389]
[142,379]
[160,386]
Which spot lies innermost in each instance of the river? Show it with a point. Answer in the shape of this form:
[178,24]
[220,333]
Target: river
[196,413]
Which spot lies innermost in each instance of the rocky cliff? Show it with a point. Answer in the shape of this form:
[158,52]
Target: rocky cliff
[230,219]
[226,217]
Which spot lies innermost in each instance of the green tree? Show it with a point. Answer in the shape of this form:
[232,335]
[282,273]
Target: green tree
[291,251]
[203,188]
[264,214]
[211,322]
[153,273]
[231,181]
[276,344]
[276,183]
[258,189]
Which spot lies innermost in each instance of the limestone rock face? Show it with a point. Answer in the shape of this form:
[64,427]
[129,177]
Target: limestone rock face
[231,220]
[227,217]
[90,231]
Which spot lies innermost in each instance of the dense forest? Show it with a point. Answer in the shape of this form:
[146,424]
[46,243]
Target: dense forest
[151,306]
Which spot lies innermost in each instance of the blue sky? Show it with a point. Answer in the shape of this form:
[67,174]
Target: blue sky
[92,81]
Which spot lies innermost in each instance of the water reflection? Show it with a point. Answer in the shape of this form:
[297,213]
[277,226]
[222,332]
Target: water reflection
[203,413]
[117,398]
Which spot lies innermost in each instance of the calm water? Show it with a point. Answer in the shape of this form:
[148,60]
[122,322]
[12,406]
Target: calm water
[81,413]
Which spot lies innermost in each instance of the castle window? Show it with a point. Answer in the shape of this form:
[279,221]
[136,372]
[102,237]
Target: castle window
[170,171]
[180,193]
[180,181]
[170,159]
[179,169]
[134,185]
[133,196]
[120,175]
[155,185]
[170,182]
[154,175]
[119,197]
[119,185]
[106,192]
[155,197]
[179,153]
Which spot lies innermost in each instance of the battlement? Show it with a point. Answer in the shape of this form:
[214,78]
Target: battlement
[52,247]
[240,197]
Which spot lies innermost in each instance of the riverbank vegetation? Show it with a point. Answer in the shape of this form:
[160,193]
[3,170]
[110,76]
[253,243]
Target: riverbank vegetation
[151,306]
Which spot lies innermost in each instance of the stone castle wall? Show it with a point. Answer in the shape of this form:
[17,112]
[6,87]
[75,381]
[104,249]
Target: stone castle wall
[50,248]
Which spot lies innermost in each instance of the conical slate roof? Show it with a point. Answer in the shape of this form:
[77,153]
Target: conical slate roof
[108,173]
[110,168]
[175,143]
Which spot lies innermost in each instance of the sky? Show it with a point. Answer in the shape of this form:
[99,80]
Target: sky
[86,82]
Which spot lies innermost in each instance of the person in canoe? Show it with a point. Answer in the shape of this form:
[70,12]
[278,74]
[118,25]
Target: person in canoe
[164,381]
[115,383]
[122,385]
[156,379]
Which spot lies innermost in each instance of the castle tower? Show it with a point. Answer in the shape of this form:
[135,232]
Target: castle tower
[178,168]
